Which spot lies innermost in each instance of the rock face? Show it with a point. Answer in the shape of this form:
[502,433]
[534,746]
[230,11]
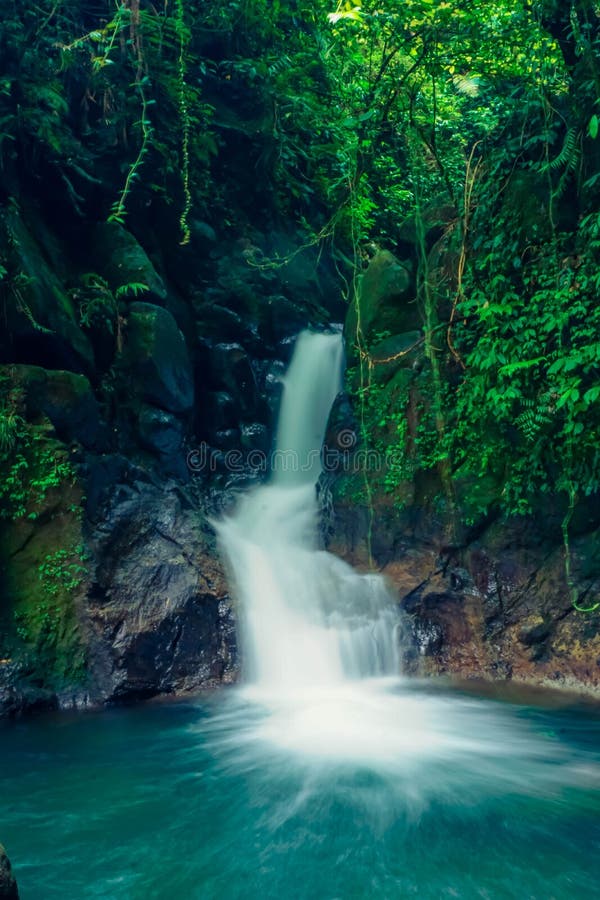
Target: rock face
[124,261]
[42,321]
[110,584]
[8,885]
[495,606]
[64,397]
[158,615]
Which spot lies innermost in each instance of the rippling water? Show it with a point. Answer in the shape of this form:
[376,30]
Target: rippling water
[373,790]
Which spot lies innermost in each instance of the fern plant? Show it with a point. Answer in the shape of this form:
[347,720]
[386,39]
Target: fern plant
[99,303]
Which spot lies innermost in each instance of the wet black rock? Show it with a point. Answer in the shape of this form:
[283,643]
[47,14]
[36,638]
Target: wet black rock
[8,885]
[225,438]
[218,410]
[231,370]
[158,613]
[255,437]
[156,359]
[160,431]
[284,319]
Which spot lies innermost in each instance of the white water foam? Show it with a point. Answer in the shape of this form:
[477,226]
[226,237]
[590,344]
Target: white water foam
[307,618]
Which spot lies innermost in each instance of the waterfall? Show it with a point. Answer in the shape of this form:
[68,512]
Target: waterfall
[320,649]
[306,617]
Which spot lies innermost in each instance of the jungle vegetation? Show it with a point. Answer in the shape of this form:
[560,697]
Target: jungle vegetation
[466,131]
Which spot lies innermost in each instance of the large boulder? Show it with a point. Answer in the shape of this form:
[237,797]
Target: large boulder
[400,351]
[160,618]
[8,885]
[217,323]
[385,300]
[41,318]
[122,260]
[66,398]
[156,359]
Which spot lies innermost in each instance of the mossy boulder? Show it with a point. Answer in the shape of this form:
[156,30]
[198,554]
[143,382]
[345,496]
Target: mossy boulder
[41,318]
[385,301]
[66,398]
[121,259]
[155,361]
[8,885]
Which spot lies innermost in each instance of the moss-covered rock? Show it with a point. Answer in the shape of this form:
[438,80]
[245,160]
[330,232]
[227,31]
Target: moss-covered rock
[121,259]
[400,351]
[155,360]
[66,398]
[42,568]
[385,300]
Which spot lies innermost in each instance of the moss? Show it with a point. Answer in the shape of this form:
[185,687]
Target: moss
[42,569]
[385,299]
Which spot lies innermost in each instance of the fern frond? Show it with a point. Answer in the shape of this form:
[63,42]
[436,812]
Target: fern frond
[536,415]
[511,368]
[133,287]
[565,157]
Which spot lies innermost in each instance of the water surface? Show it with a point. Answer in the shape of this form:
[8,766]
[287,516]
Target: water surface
[424,793]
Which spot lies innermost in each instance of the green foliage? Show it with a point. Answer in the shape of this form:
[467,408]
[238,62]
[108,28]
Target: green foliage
[58,572]
[360,122]
[30,467]
[99,304]
[488,112]
[44,620]
[11,428]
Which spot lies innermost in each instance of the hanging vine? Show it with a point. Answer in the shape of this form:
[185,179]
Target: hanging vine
[183,35]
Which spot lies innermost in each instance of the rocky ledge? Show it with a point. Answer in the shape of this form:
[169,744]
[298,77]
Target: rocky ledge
[494,605]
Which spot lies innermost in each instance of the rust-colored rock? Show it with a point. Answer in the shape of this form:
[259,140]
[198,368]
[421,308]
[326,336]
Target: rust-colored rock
[496,608]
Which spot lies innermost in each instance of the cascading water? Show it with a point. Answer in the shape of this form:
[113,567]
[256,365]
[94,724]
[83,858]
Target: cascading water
[307,617]
[319,641]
